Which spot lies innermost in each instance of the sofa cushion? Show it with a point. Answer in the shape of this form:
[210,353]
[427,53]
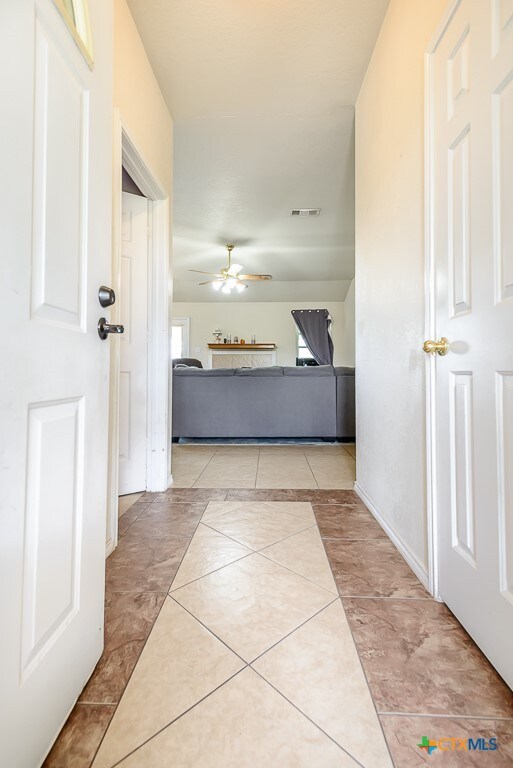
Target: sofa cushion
[308,370]
[271,370]
[342,370]
[203,372]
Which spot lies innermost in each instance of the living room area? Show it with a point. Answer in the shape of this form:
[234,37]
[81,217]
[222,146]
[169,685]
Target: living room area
[263,311]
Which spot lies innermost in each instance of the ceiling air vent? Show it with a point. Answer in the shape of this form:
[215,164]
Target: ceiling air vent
[305,212]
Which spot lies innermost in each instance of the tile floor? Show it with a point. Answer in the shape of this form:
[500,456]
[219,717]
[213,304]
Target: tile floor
[264,466]
[275,627]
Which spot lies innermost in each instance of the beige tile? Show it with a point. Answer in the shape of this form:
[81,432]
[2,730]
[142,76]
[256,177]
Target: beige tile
[287,471]
[257,524]
[224,471]
[317,668]
[125,502]
[181,663]
[302,509]
[253,603]
[304,554]
[237,450]
[331,449]
[217,508]
[333,471]
[244,724]
[187,467]
[282,450]
[193,450]
[191,463]
[208,551]
[184,480]
[351,449]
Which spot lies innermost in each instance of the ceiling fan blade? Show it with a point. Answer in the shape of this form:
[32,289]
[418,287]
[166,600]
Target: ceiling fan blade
[202,272]
[255,277]
[208,282]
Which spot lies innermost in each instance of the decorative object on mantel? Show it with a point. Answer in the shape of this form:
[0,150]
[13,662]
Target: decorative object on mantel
[261,345]
[217,336]
[229,277]
[242,341]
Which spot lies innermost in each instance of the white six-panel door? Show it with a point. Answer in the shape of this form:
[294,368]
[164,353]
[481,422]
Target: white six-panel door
[56,252]
[133,384]
[472,122]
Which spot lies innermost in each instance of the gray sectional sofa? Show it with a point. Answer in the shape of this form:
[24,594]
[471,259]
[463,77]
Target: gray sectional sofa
[311,401]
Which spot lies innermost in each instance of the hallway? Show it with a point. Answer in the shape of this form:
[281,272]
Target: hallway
[230,641]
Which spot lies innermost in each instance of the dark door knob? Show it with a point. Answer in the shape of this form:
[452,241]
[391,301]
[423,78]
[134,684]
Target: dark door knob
[106,296]
[104,328]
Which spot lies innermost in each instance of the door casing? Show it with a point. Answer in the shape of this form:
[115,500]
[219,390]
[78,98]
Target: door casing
[126,154]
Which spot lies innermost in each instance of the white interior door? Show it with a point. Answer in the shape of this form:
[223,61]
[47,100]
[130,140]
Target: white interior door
[56,252]
[133,385]
[473,244]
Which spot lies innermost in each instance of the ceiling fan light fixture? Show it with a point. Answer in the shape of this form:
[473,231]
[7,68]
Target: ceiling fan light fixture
[229,277]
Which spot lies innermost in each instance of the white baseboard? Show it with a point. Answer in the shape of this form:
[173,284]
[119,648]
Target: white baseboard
[417,567]
[110,547]
[170,481]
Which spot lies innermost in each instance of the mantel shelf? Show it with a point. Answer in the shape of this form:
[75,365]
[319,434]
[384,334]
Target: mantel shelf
[242,347]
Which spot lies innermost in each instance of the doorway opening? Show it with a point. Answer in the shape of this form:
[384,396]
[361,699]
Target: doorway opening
[153,437]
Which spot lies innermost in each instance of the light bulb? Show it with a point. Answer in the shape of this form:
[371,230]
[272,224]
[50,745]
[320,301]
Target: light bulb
[234,269]
[241,287]
[226,288]
[217,284]
[232,282]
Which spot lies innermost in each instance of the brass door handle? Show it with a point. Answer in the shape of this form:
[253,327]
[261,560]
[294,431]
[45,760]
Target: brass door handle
[441,347]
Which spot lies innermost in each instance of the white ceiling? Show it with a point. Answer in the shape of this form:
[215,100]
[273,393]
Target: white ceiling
[262,94]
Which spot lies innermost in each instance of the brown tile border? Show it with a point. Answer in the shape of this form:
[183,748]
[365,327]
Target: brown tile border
[283,494]
[404,732]
[419,659]
[139,574]
[191,494]
[371,568]
[416,656]
[80,737]
[347,521]
[129,618]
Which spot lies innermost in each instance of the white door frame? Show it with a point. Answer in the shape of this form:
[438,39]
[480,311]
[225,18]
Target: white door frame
[128,156]
[430,315]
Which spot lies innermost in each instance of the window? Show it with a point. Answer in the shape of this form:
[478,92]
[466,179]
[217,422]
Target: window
[302,349]
[179,337]
[76,15]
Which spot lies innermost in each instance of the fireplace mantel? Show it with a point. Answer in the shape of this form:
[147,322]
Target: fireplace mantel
[241,355]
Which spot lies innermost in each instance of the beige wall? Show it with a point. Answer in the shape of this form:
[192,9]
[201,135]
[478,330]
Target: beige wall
[269,321]
[137,95]
[347,342]
[391,463]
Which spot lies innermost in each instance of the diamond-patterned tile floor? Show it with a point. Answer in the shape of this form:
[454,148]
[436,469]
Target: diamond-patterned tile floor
[276,628]
[251,660]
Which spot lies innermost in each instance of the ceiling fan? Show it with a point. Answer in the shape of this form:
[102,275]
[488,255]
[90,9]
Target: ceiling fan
[229,277]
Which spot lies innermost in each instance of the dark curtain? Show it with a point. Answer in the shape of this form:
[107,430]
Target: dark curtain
[314,326]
